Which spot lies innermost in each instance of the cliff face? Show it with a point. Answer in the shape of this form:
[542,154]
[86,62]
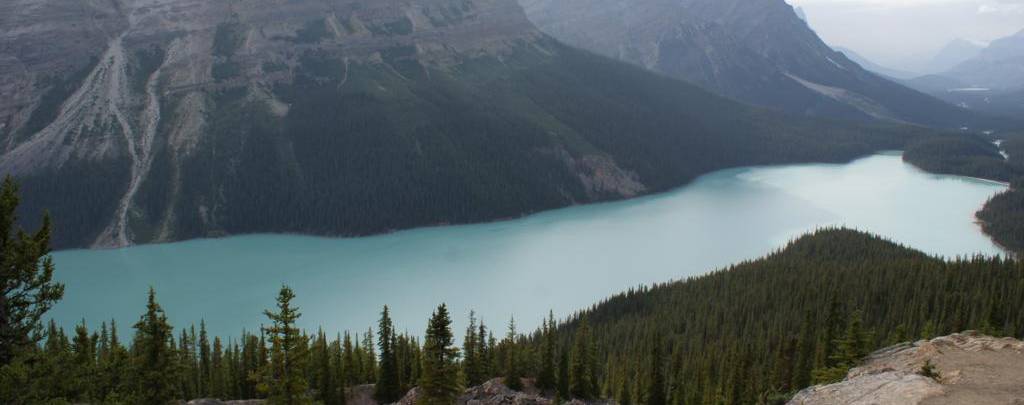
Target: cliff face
[972,369]
[759,52]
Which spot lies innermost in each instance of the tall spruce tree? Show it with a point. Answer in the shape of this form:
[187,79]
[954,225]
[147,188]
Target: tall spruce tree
[513,368]
[218,371]
[27,289]
[83,349]
[581,378]
[349,362]
[369,358]
[154,365]
[546,376]
[204,376]
[804,353]
[388,388]
[656,377]
[440,379]
[563,391]
[485,350]
[283,378]
[327,384]
[471,354]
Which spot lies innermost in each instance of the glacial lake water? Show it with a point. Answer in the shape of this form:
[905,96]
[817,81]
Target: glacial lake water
[561,260]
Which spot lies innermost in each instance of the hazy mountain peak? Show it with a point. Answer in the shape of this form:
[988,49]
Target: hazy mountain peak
[954,53]
[759,52]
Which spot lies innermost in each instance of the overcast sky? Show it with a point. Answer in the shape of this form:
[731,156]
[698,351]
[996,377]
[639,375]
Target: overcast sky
[901,33]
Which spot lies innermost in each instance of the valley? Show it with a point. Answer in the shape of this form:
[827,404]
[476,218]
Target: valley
[720,219]
[590,202]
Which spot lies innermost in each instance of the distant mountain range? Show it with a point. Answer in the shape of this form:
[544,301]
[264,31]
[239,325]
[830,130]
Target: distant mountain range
[160,120]
[991,81]
[759,52]
[954,53]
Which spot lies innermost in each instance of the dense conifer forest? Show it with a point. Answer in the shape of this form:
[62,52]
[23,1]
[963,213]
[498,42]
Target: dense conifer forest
[752,333]
[1002,217]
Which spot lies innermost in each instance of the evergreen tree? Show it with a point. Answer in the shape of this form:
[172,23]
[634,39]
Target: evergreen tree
[563,388]
[581,377]
[804,353]
[899,335]
[513,368]
[204,376]
[546,377]
[626,396]
[388,388]
[440,380]
[349,363]
[369,358]
[154,364]
[283,379]
[27,289]
[928,332]
[485,348]
[329,393]
[218,385]
[337,354]
[83,349]
[846,351]
[471,354]
[656,380]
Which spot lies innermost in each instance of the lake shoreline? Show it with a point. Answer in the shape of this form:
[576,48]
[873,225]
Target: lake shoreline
[525,265]
[647,194]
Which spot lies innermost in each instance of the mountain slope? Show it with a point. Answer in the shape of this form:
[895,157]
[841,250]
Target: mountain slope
[198,119]
[758,52]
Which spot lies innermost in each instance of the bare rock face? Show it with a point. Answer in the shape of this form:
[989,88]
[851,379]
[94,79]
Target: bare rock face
[212,401]
[492,392]
[972,368]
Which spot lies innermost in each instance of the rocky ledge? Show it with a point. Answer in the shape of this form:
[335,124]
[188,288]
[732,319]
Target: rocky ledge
[969,368]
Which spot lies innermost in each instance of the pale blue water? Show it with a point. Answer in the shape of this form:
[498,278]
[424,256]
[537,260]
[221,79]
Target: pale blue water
[562,260]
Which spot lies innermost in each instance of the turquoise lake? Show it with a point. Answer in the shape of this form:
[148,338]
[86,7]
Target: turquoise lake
[562,260]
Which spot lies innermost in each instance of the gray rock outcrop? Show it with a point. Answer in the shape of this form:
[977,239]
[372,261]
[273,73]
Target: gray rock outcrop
[972,369]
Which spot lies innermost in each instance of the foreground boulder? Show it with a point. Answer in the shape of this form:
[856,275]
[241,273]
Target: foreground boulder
[494,392]
[968,369]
